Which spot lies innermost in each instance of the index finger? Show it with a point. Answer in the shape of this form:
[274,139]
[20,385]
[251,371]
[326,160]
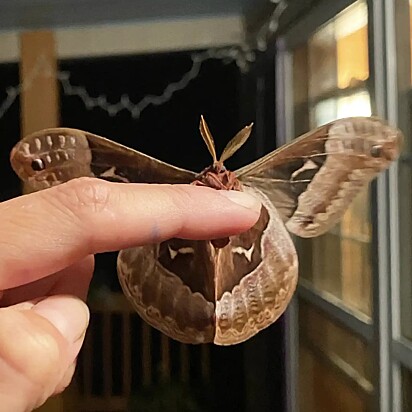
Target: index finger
[44,232]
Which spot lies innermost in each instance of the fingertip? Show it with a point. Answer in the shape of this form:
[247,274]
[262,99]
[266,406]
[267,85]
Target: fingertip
[68,314]
[243,199]
[36,360]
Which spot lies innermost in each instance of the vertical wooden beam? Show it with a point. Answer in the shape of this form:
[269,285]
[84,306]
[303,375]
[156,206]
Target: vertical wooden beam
[184,363]
[146,354]
[127,354]
[38,75]
[165,358]
[205,362]
[39,107]
[107,337]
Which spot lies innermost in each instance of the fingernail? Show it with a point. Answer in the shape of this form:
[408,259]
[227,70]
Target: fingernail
[68,314]
[242,199]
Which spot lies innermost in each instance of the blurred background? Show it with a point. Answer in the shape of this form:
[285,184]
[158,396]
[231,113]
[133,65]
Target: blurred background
[141,73]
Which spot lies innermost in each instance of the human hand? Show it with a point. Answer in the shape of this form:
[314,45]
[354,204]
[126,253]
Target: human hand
[47,242]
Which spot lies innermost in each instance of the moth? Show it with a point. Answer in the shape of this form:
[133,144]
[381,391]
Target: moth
[224,291]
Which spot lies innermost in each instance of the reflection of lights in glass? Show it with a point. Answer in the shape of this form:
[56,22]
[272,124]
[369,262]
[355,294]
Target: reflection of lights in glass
[351,19]
[324,112]
[337,53]
[357,104]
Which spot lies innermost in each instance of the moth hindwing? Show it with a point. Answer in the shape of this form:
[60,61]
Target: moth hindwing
[224,290]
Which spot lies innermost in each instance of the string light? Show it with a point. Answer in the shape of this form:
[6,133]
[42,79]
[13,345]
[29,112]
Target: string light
[227,55]
[242,55]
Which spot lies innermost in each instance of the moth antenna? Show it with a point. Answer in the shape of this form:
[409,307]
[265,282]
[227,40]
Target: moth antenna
[208,138]
[236,143]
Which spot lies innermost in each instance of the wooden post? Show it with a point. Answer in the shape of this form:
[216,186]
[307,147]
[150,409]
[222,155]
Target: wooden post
[146,354]
[38,69]
[165,358]
[184,363]
[39,106]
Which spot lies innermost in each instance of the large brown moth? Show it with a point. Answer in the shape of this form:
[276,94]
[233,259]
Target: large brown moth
[224,291]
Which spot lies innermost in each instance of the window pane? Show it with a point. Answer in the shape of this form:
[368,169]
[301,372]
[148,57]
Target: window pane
[324,390]
[356,104]
[410,37]
[337,344]
[351,29]
[300,90]
[329,75]
[322,61]
[405,200]
[405,203]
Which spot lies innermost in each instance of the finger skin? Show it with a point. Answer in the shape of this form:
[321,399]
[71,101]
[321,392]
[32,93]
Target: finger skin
[46,247]
[73,280]
[38,350]
[44,232]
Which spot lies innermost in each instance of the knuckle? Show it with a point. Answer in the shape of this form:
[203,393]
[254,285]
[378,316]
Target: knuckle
[84,195]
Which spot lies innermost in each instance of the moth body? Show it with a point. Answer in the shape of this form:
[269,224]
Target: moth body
[224,290]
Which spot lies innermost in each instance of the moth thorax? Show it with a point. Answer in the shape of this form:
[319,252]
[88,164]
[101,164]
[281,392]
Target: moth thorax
[218,177]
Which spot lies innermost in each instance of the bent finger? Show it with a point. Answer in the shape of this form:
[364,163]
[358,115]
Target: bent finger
[37,347]
[73,280]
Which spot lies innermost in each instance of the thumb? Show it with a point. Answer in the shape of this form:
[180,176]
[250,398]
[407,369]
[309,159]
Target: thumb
[39,342]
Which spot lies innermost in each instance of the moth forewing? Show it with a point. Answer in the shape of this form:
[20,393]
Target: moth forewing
[236,143]
[208,138]
[313,179]
[70,153]
[51,156]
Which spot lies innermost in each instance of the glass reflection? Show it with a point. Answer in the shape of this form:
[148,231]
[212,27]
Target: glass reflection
[329,82]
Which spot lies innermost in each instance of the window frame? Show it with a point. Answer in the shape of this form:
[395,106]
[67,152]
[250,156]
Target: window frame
[391,352]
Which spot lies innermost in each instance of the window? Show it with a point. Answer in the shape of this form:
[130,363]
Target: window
[405,201]
[355,294]
[329,81]
[336,342]
[330,71]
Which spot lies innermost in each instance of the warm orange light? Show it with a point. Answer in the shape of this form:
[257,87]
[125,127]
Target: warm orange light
[352,58]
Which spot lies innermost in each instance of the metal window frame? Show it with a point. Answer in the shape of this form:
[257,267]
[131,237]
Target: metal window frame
[381,227]
[356,322]
[389,353]
[397,30]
